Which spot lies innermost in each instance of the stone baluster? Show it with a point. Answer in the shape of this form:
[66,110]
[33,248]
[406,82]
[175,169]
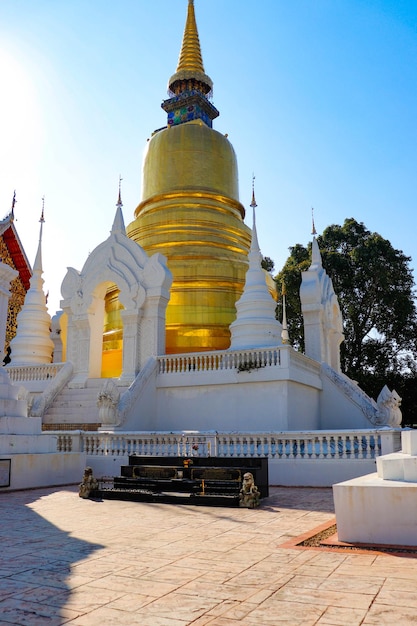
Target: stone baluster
[320,441]
[348,446]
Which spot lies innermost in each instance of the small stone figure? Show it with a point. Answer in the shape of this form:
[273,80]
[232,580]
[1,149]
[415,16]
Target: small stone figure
[249,494]
[89,483]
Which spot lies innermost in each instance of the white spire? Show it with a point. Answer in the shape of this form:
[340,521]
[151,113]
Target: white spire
[118,223]
[32,343]
[284,335]
[37,266]
[316,260]
[255,325]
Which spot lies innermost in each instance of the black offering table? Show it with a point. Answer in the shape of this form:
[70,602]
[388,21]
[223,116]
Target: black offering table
[214,481]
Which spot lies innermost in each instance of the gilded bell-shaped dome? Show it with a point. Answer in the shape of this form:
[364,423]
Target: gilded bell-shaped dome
[190,209]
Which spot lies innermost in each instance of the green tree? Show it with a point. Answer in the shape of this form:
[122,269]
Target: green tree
[267,264]
[290,277]
[375,288]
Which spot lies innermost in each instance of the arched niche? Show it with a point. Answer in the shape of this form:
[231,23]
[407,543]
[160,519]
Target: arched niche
[143,283]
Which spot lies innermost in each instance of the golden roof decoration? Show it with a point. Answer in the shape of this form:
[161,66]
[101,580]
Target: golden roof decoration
[190,62]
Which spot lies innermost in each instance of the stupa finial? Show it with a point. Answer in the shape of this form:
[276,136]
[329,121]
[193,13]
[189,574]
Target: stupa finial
[190,89]
[37,266]
[316,260]
[119,199]
[313,228]
[190,69]
[253,203]
[254,248]
[118,222]
[42,219]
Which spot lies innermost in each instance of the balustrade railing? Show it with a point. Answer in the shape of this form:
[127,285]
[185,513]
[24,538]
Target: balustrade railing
[302,445]
[101,444]
[24,373]
[242,360]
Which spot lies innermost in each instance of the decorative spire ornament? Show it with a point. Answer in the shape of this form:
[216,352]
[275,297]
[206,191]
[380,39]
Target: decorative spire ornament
[253,203]
[119,199]
[119,223]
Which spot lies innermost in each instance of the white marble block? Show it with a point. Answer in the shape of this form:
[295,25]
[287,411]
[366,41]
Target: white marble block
[409,442]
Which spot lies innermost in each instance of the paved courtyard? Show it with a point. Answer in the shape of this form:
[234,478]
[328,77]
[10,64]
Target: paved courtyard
[65,560]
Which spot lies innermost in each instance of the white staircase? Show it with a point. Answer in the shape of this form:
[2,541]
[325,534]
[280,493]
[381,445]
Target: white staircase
[77,407]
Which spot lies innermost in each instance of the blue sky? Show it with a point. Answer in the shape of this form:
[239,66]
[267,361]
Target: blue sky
[318,97]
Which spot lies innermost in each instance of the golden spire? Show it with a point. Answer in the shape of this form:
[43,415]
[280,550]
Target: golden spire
[190,66]
[190,55]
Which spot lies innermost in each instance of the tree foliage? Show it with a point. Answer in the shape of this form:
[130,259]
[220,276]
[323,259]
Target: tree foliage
[375,288]
[267,264]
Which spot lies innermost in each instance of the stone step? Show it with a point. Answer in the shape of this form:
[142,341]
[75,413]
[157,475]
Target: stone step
[73,405]
[75,402]
[397,466]
[78,405]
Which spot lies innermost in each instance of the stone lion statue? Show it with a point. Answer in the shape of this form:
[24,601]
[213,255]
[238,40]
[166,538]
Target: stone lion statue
[88,485]
[249,493]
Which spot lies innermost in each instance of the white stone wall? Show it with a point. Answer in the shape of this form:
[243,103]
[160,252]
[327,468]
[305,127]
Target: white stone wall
[43,470]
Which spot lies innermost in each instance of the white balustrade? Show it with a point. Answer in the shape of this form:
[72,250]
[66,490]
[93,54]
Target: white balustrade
[222,360]
[330,445]
[25,373]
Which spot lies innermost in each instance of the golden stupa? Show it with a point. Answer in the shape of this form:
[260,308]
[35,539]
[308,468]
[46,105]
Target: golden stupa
[190,209]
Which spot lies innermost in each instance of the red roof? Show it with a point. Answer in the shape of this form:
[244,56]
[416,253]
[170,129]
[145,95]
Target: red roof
[16,251]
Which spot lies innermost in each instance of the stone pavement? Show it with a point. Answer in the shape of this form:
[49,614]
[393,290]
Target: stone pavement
[64,560]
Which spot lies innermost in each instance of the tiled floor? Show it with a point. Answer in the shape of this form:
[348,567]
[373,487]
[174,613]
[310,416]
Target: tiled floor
[64,560]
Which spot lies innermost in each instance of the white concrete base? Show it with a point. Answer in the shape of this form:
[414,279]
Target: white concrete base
[28,444]
[316,472]
[44,470]
[372,510]
[20,425]
[107,465]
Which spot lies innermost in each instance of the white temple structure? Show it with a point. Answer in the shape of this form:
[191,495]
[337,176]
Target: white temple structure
[258,384]
[223,390]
